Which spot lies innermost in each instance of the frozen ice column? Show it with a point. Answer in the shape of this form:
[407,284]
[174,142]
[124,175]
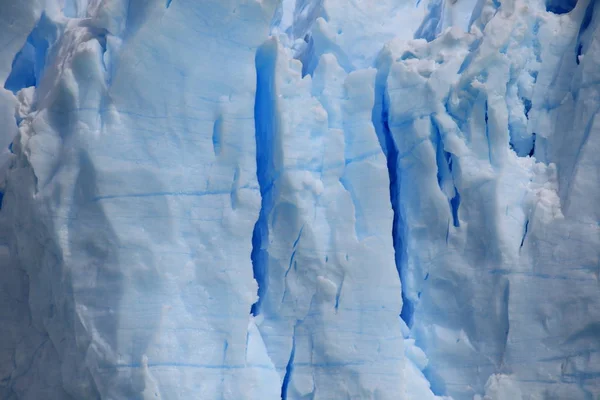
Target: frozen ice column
[330,294]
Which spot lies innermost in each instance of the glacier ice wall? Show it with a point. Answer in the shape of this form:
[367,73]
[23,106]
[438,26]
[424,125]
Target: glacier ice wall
[300,199]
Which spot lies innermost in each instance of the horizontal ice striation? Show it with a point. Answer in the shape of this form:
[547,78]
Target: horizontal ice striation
[410,188]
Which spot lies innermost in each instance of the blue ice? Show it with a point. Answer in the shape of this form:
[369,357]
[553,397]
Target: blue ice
[300,199]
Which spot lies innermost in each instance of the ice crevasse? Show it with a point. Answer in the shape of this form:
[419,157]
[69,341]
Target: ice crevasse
[300,199]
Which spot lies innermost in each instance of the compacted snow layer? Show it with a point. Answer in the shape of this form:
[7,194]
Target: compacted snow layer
[300,199]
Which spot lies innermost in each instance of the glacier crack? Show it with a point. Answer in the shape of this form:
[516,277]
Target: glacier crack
[289,368]
[264,120]
[380,119]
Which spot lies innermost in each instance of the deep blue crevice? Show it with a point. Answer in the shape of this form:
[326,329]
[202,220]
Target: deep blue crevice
[454,201]
[527,106]
[380,118]
[532,151]
[289,369]
[454,205]
[169,3]
[560,6]
[265,123]
[432,24]
[22,72]
[524,233]
[487,133]
[444,174]
[29,63]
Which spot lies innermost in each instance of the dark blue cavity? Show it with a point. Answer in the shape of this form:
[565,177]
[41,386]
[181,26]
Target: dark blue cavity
[455,201]
[527,106]
[532,151]
[487,133]
[454,205]
[22,72]
[289,369]
[264,121]
[30,62]
[587,18]
[169,3]
[579,49]
[560,6]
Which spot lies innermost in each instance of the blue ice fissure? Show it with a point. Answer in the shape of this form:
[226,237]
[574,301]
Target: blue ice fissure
[380,118]
[265,125]
[289,369]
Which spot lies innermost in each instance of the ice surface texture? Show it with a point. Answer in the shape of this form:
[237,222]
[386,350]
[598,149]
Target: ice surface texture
[300,199]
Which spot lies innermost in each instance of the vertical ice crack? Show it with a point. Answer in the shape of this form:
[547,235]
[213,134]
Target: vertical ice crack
[265,123]
[524,233]
[445,177]
[289,369]
[380,121]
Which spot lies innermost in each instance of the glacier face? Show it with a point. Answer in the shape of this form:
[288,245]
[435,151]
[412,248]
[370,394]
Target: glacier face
[300,199]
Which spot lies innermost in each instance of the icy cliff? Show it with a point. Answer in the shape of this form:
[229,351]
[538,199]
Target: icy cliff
[300,199]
